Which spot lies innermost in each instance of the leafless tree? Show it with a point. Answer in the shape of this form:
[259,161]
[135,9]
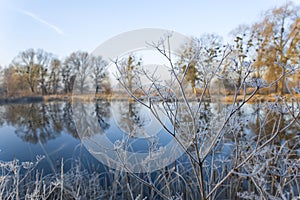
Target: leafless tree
[79,63]
[54,76]
[32,65]
[215,162]
[98,73]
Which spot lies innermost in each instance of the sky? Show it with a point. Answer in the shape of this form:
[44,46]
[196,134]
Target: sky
[64,26]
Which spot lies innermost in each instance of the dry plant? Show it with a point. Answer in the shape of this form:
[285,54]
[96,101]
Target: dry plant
[223,159]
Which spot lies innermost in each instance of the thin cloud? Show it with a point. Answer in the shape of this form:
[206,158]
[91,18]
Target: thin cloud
[35,17]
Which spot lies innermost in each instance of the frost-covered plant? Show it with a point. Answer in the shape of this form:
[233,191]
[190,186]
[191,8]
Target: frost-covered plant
[220,154]
[15,174]
[75,183]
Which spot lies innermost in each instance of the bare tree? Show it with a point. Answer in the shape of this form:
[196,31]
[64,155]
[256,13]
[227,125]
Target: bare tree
[11,76]
[79,62]
[211,169]
[99,73]
[54,76]
[202,55]
[68,77]
[278,35]
[1,79]
[32,66]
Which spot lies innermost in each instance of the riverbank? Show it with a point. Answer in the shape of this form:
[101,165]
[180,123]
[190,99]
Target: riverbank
[124,97]
[21,99]
[261,98]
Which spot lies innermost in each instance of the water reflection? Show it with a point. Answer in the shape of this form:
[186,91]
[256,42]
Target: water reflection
[102,112]
[265,123]
[2,111]
[39,122]
[130,116]
[136,120]
[53,125]
[132,132]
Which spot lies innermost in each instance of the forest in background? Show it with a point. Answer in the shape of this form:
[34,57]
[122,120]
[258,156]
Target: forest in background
[269,44]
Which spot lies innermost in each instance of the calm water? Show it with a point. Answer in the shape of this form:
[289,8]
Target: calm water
[49,129]
[29,130]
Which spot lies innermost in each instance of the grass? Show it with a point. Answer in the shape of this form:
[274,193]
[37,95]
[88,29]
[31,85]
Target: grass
[22,180]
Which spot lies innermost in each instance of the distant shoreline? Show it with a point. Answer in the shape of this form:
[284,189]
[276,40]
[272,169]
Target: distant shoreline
[91,98]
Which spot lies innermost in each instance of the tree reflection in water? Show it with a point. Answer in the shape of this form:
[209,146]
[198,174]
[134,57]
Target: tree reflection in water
[91,117]
[102,111]
[129,117]
[45,121]
[267,120]
[69,124]
[40,122]
[258,124]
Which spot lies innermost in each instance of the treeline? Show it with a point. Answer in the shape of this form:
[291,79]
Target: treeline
[271,45]
[37,72]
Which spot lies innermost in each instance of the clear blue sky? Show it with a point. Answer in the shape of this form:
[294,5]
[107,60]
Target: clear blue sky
[63,26]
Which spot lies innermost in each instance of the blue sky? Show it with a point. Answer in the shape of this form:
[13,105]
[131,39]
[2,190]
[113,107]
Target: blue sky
[64,26]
